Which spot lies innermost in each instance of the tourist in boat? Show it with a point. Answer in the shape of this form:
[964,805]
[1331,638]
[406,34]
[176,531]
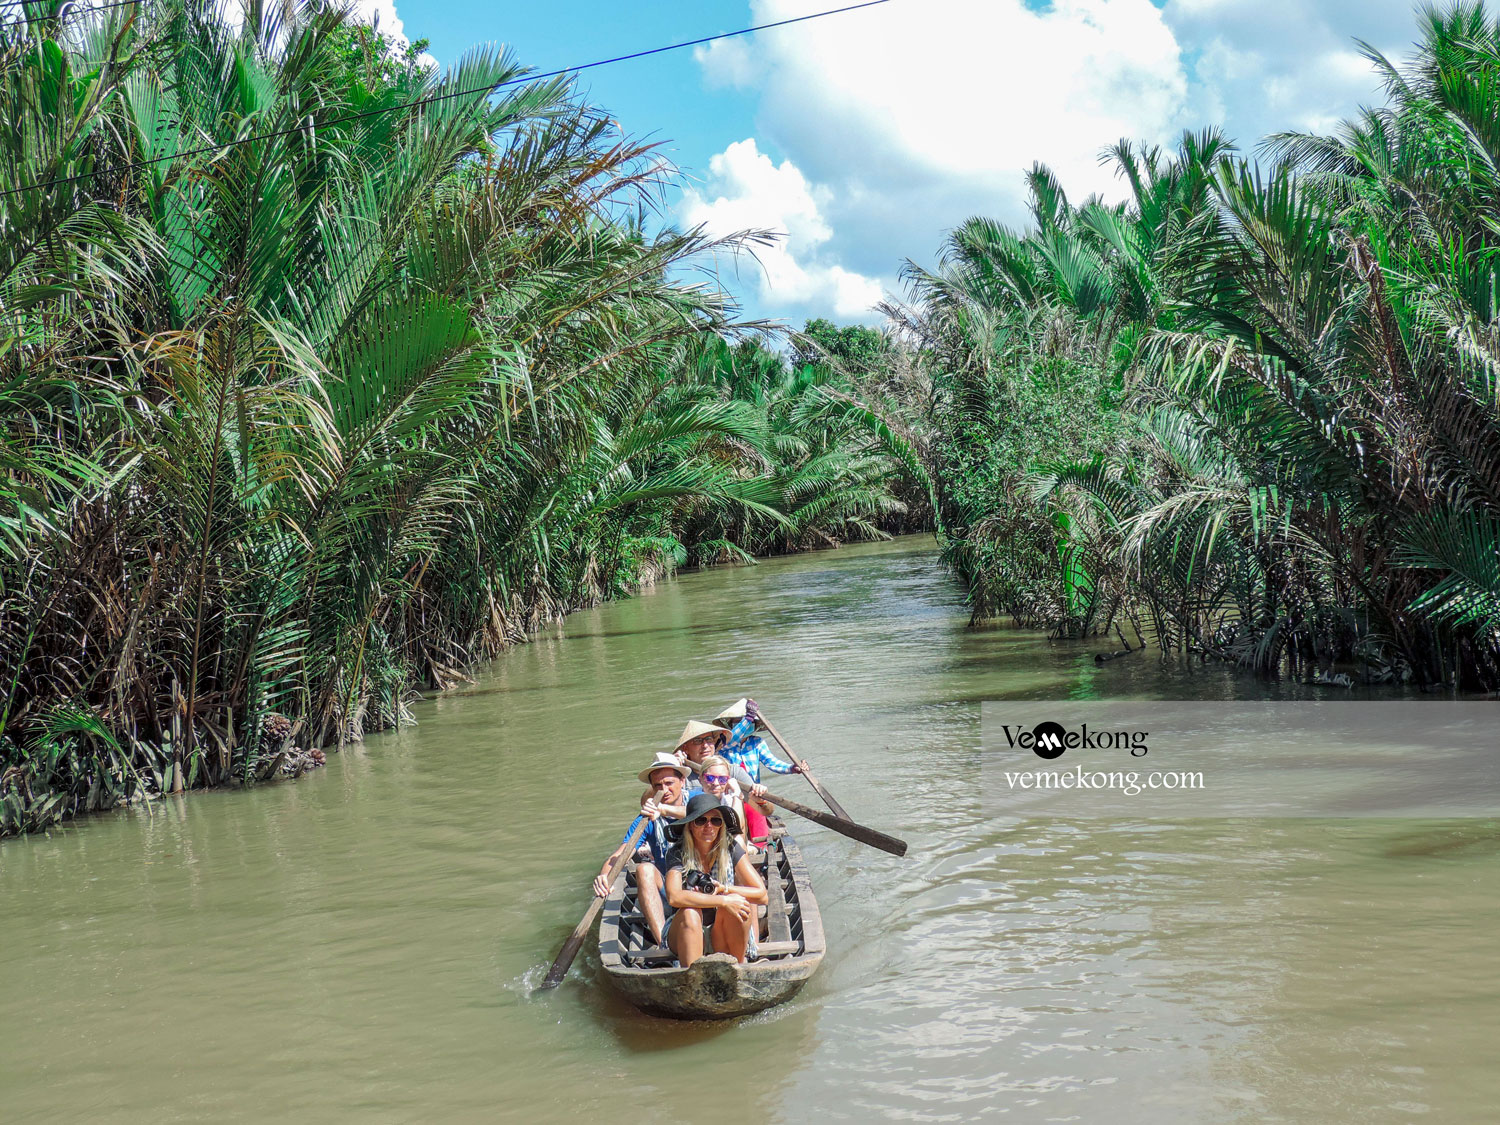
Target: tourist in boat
[665,776]
[746,749]
[711,884]
[718,782]
[698,742]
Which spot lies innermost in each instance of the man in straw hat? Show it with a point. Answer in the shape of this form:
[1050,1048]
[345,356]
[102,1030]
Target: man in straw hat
[698,741]
[666,776]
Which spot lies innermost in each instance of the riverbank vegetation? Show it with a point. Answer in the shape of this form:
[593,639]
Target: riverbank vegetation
[1250,412]
[325,374]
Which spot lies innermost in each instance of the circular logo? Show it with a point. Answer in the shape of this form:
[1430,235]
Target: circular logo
[1047,740]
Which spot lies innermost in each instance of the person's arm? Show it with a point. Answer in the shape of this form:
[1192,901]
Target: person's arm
[738,774]
[769,760]
[601,880]
[748,883]
[676,812]
[678,896]
[739,732]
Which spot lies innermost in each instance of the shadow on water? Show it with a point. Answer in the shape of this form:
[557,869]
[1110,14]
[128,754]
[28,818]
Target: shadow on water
[1480,838]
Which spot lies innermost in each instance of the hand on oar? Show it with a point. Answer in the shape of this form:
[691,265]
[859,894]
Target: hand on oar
[575,939]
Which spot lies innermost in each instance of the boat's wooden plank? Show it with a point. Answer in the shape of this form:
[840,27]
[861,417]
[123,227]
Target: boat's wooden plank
[609,924]
[778,948]
[662,953]
[812,922]
[778,925]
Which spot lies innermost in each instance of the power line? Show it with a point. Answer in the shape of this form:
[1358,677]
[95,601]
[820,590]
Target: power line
[69,9]
[453,94]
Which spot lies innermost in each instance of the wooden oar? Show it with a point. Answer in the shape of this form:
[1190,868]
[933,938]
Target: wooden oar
[840,824]
[844,825]
[575,939]
[801,765]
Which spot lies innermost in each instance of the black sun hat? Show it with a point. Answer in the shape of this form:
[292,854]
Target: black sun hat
[704,803]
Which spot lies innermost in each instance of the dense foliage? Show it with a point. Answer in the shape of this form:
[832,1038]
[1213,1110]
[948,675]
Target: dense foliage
[311,396]
[1251,411]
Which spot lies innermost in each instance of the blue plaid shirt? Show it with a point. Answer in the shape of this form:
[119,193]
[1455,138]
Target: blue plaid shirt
[748,750]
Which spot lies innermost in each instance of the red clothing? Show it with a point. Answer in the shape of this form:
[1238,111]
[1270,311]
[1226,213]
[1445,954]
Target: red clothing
[756,826]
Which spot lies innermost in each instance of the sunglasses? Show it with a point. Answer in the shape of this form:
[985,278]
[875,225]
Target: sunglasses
[716,778]
[716,821]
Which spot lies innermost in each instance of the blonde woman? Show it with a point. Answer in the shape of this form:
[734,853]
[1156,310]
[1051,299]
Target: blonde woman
[711,884]
[717,781]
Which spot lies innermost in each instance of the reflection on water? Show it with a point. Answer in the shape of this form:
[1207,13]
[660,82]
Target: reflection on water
[363,943]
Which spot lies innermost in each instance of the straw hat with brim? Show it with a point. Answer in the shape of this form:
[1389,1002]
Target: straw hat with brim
[733,713]
[695,729]
[663,762]
[704,803]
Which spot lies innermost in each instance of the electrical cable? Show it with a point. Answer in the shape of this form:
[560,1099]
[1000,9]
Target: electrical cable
[445,96]
[69,9]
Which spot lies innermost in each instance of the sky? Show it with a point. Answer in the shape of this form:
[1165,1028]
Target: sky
[864,137]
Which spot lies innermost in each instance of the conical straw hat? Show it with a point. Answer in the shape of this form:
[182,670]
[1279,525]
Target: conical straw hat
[733,713]
[695,729]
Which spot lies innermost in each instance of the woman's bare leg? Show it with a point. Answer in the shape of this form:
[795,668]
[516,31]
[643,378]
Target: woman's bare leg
[686,935]
[731,936]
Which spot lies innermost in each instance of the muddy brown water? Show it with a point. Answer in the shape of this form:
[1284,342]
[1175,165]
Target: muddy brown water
[363,943]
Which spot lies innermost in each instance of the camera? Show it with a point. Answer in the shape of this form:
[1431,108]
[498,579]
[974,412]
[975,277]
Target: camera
[700,882]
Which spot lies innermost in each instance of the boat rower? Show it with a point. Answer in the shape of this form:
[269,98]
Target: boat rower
[665,775]
[743,747]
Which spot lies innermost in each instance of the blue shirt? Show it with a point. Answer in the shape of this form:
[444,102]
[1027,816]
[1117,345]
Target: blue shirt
[748,750]
[655,838]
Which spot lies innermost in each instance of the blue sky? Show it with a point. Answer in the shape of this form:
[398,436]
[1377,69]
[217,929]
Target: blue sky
[663,97]
[864,137]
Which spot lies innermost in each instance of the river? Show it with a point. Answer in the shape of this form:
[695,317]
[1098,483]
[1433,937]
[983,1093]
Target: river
[363,943]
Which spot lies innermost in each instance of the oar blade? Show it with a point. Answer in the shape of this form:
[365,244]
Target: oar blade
[574,943]
[865,835]
[571,947]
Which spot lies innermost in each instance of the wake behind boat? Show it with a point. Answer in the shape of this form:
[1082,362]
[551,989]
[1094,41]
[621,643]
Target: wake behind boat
[716,986]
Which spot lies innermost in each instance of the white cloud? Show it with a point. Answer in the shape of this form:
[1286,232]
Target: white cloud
[382,13]
[755,193]
[915,115]
[1263,66]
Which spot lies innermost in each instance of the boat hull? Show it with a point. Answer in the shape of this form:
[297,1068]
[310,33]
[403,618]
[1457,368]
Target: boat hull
[716,986]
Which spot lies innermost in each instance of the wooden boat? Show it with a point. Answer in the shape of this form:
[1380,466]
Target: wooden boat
[717,987]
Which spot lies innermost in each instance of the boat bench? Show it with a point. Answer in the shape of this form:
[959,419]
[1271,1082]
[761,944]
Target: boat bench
[778,923]
[656,954]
